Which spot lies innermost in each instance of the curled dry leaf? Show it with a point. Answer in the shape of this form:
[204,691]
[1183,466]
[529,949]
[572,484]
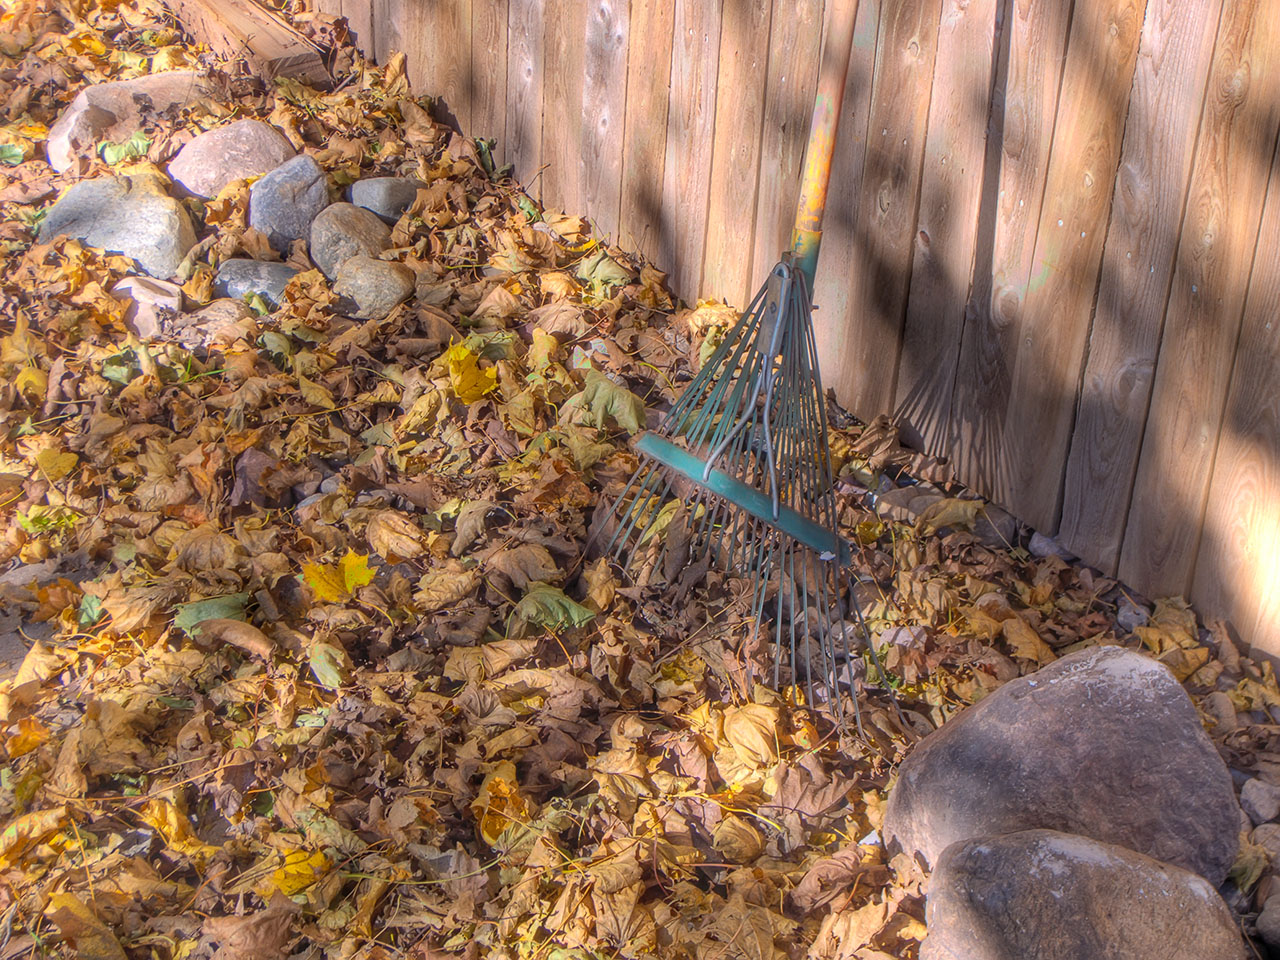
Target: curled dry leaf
[237,633]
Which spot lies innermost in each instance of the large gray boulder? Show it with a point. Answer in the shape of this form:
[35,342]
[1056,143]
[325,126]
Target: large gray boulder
[132,216]
[1103,743]
[1053,896]
[342,231]
[285,201]
[388,197]
[246,148]
[370,289]
[115,111]
[240,278]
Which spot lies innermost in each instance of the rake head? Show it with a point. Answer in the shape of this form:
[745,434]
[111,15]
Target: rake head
[738,476]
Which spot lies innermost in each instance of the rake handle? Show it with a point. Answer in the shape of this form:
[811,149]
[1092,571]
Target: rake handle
[806,237]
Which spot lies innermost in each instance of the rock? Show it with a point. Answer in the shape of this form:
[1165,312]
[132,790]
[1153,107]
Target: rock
[1054,896]
[132,216]
[1268,922]
[342,231]
[284,202]
[115,111]
[151,302]
[1130,615]
[1267,836]
[370,289]
[1260,800]
[238,279]
[246,148]
[1042,546]
[1104,743]
[388,197]
[219,322]
[996,528]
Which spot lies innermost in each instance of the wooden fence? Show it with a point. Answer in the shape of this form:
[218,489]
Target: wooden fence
[1052,246]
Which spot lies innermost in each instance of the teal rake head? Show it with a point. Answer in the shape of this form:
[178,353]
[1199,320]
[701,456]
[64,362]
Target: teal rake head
[738,476]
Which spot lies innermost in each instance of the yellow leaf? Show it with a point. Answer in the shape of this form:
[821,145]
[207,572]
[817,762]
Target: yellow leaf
[163,815]
[26,831]
[300,870]
[32,382]
[91,938]
[469,382]
[31,733]
[752,731]
[334,583]
[55,465]
[500,803]
[949,512]
[1025,642]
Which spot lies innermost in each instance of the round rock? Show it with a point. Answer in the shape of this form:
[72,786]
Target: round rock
[216,323]
[388,197]
[285,201]
[151,302]
[1261,800]
[1104,743]
[132,216]
[370,289]
[1054,896]
[238,279]
[343,231]
[246,148]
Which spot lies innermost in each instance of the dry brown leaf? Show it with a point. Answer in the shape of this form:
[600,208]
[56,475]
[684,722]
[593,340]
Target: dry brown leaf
[237,633]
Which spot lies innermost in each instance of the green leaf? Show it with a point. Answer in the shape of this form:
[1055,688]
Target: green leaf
[90,611]
[328,664]
[601,270]
[528,209]
[11,154]
[230,607]
[548,606]
[136,146]
[602,400]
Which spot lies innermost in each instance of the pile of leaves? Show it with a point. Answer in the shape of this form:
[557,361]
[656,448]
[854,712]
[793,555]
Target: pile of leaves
[317,665]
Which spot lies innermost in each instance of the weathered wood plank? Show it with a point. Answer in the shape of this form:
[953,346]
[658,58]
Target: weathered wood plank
[524,89]
[795,44]
[489,73]
[645,137]
[359,14]
[1220,229]
[562,104]
[841,253]
[691,111]
[388,15]
[426,32]
[245,29]
[1026,95]
[604,110]
[1058,306]
[946,238]
[887,205]
[735,156]
[1137,264]
[1239,557]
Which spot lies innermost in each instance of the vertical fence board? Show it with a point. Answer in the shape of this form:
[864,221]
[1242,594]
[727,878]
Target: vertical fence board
[1240,549]
[1034,36]
[562,74]
[604,108]
[695,49]
[388,16]
[489,73]
[950,191]
[433,28]
[645,137]
[1237,131]
[1137,264]
[524,89]
[888,204]
[1092,106]
[841,253]
[735,156]
[795,36]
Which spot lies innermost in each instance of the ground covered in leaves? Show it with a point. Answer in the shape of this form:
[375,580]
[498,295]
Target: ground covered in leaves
[317,665]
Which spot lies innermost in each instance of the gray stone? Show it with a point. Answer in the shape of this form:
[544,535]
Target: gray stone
[285,201]
[1103,743]
[996,528]
[1268,922]
[150,303]
[370,289]
[342,231]
[246,148]
[238,279]
[115,111]
[1054,896]
[1267,836]
[1130,615]
[1042,546]
[388,197]
[132,216]
[1260,800]
[218,322]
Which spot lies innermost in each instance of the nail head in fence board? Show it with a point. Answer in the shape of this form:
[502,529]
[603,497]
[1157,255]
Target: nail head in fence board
[1137,263]
[795,45]
[735,156]
[1220,230]
[604,108]
[489,62]
[562,104]
[264,39]
[841,255]
[888,200]
[1034,36]
[1238,566]
[645,137]
[524,90]
[1049,359]
[695,49]
[946,232]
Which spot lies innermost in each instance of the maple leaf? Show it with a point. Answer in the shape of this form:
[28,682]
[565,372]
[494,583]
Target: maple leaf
[336,582]
[469,382]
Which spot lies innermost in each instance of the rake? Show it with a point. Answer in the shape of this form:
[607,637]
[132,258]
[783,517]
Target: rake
[739,475]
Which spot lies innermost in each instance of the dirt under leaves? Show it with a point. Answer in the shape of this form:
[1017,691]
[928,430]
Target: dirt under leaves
[319,667]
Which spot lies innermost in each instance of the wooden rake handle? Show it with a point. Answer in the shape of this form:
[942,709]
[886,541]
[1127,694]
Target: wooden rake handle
[806,237]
